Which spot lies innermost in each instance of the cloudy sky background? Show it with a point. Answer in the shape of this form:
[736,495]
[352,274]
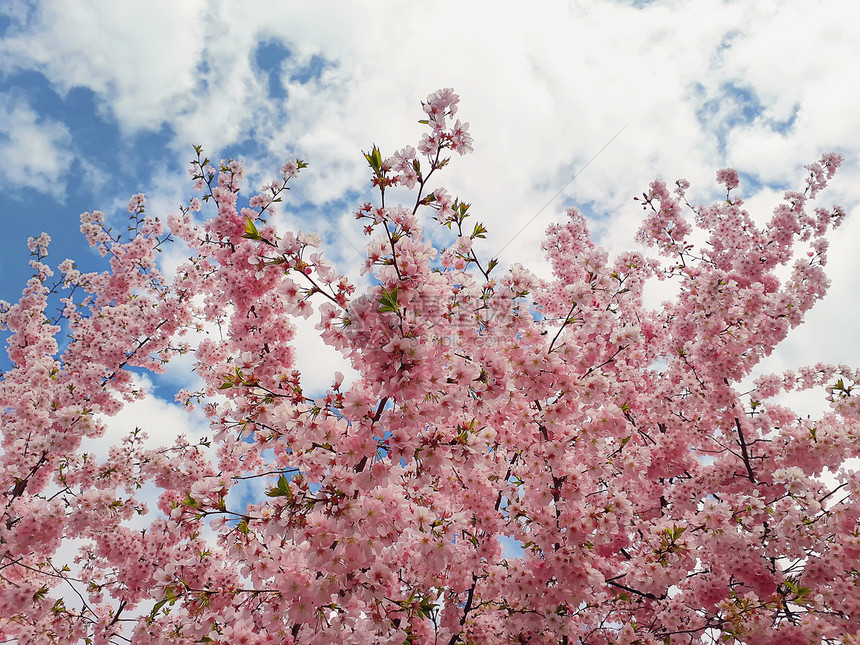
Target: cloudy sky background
[103,99]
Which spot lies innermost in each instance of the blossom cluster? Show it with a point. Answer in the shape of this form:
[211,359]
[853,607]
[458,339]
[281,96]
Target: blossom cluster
[653,499]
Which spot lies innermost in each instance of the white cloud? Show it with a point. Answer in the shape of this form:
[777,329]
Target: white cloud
[16,10]
[160,420]
[544,89]
[318,361]
[139,61]
[35,150]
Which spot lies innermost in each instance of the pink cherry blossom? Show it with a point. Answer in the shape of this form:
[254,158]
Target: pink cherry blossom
[728,177]
[513,459]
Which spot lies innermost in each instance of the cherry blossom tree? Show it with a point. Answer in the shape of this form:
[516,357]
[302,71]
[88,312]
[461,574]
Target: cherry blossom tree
[656,500]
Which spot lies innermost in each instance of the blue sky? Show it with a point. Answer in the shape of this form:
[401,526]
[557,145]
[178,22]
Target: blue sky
[102,100]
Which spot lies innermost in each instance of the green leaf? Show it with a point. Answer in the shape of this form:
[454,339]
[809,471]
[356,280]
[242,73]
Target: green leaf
[388,301]
[251,231]
[425,608]
[169,597]
[282,489]
[374,159]
[492,264]
[158,606]
[479,231]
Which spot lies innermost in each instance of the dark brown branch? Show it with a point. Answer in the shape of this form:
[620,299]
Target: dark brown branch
[842,485]
[507,477]
[607,361]
[360,466]
[644,594]
[561,329]
[466,609]
[744,452]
